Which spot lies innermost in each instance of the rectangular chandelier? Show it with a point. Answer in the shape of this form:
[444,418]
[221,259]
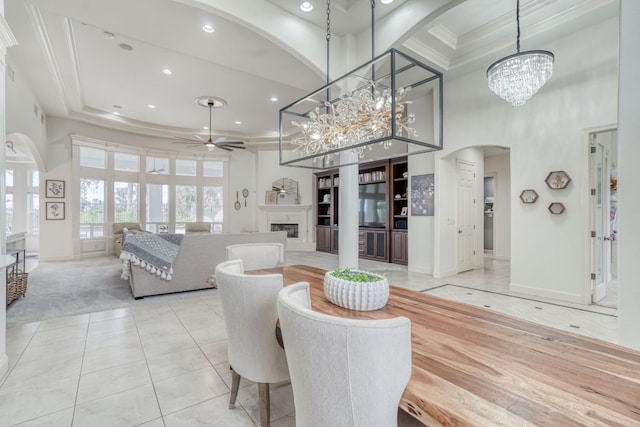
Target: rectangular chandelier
[389,107]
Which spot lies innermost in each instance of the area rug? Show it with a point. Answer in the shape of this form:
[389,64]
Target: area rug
[56,289]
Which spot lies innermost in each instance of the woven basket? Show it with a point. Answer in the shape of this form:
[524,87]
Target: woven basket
[16,286]
[361,296]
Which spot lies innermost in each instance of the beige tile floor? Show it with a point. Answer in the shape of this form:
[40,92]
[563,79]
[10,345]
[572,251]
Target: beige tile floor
[163,361]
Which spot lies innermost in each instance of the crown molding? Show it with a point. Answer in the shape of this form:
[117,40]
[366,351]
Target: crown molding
[7,39]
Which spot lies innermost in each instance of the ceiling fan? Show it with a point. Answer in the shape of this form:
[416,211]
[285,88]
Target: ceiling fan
[284,185]
[155,171]
[211,143]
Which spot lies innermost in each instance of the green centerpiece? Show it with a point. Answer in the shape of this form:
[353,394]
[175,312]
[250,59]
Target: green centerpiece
[356,289]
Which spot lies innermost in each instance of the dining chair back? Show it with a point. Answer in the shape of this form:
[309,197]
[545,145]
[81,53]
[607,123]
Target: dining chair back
[344,372]
[250,313]
[255,256]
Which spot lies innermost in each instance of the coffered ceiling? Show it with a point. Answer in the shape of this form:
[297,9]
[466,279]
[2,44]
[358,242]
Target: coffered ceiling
[102,61]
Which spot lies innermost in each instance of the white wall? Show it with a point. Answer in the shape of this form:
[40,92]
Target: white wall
[629,173]
[500,166]
[25,115]
[547,133]
[269,170]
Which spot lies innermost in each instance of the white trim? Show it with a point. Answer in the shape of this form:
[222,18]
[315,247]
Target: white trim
[538,292]
[7,39]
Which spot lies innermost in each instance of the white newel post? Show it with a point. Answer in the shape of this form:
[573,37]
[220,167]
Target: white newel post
[6,40]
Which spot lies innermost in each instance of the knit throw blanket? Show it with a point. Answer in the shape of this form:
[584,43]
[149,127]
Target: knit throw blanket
[153,252]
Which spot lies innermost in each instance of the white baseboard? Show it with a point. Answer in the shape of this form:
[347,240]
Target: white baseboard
[419,269]
[547,293]
[442,274]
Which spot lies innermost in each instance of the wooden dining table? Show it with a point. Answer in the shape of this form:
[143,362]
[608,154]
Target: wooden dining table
[475,367]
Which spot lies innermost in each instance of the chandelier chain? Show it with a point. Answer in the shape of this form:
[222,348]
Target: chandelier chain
[373,29]
[328,37]
[518,24]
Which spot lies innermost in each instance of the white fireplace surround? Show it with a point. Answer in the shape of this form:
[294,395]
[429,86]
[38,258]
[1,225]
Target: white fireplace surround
[288,214]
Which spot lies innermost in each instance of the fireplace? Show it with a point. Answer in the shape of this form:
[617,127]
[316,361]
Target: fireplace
[294,219]
[291,229]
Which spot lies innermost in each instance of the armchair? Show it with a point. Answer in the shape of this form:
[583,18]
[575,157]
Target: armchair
[257,255]
[249,307]
[197,227]
[344,372]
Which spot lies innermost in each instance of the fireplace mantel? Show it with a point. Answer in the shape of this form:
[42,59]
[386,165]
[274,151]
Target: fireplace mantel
[292,214]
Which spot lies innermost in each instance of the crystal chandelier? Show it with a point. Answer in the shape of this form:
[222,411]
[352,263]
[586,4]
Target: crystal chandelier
[357,117]
[370,112]
[515,78]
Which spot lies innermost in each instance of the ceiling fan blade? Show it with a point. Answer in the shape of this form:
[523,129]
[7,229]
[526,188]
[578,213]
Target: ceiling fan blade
[218,139]
[188,141]
[222,147]
[233,146]
[200,138]
[231,142]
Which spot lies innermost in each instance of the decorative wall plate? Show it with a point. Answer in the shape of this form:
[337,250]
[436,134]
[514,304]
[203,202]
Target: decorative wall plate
[557,180]
[529,196]
[556,208]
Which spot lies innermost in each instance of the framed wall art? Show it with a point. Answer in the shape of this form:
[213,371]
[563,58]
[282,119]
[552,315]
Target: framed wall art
[54,189]
[557,180]
[422,192]
[556,208]
[528,196]
[55,210]
[270,197]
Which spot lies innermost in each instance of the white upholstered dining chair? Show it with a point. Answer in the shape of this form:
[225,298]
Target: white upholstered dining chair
[344,372]
[250,314]
[257,255]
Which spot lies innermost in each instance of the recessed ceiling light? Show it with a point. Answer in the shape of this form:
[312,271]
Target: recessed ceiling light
[167,71]
[386,1]
[125,46]
[109,34]
[151,106]
[306,6]
[208,28]
[205,127]
[116,113]
[274,99]
[238,122]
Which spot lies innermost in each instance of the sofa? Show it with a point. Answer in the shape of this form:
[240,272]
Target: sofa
[118,229]
[196,261]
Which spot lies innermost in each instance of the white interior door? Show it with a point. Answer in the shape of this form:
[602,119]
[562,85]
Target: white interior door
[600,172]
[466,224]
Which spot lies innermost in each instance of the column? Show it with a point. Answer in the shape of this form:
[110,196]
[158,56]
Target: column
[629,173]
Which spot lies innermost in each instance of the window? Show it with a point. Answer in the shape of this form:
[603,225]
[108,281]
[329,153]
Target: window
[186,167]
[8,200]
[157,165]
[8,178]
[92,157]
[34,179]
[126,162]
[34,213]
[213,169]
[91,208]
[157,208]
[125,204]
[212,207]
[186,203]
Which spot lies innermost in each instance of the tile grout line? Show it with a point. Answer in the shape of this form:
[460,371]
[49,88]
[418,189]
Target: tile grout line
[146,362]
[518,297]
